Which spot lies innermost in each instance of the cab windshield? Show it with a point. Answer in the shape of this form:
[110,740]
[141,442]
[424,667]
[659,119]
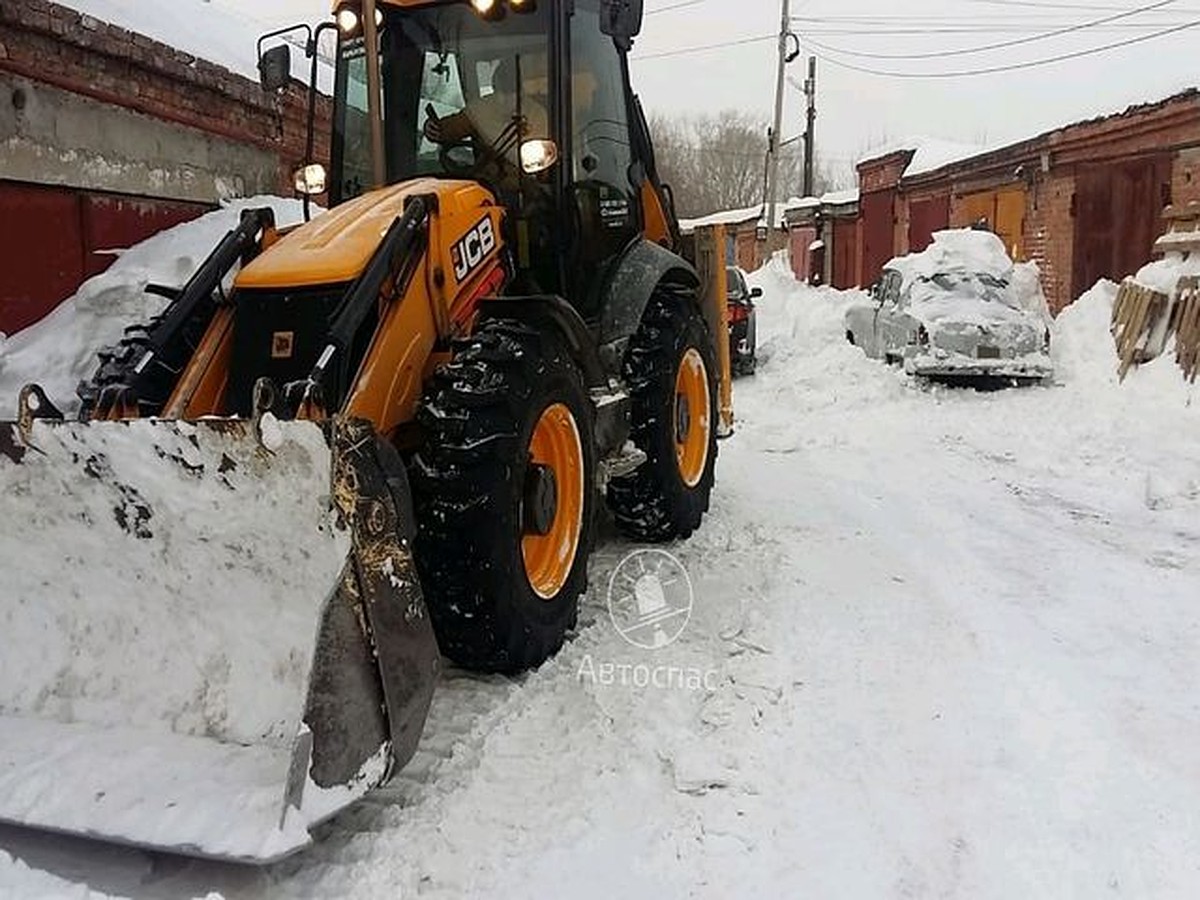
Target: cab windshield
[460,95]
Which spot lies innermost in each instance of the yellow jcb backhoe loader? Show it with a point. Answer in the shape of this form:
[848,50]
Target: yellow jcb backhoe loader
[343,447]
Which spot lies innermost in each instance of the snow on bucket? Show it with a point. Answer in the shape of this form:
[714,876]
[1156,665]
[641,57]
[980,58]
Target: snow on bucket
[164,587]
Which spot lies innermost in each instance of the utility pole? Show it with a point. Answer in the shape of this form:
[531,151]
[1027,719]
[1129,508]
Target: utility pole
[810,91]
[785,31]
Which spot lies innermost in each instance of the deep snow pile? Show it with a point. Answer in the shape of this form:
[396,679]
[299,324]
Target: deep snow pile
[18,881]
[60,351]
[980,261]
[948,642]
[1163,274]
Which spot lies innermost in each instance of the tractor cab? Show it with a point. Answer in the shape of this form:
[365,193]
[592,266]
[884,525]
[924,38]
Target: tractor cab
[529,99]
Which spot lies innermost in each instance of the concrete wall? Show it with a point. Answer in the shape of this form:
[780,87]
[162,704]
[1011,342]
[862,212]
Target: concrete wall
[51,136]
[108,69]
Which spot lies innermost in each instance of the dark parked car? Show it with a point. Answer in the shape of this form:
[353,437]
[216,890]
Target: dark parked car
[743,329]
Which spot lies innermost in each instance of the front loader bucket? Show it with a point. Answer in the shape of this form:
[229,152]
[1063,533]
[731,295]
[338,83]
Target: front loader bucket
[206,646]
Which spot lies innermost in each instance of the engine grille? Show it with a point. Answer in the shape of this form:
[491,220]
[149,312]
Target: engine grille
[277,335]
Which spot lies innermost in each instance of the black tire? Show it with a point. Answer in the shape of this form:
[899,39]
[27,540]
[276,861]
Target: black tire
[469,480]
[655,503]
[117,365]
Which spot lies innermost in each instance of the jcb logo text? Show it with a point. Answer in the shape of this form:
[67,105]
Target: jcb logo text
[473,249]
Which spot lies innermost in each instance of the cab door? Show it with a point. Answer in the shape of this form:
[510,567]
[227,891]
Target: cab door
[602,200]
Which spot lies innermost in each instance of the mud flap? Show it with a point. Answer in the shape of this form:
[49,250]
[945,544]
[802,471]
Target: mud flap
[207,646]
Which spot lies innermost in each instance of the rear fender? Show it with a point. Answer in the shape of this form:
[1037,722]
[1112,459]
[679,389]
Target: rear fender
[627,292]
[553,314]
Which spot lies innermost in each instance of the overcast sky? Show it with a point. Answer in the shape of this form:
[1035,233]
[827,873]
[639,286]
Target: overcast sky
[859,111]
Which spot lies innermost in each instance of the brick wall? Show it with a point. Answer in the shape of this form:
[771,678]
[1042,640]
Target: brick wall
[884,172]
[1185,177]
[903,219]
[1050,235]
[53,45]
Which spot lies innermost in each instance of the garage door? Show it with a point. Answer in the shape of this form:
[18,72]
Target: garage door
[54,238]
[1118,217]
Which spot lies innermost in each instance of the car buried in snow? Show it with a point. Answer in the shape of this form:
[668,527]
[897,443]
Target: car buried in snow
[959,311]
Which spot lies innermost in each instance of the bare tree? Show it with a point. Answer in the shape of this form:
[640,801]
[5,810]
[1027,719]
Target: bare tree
[718,162]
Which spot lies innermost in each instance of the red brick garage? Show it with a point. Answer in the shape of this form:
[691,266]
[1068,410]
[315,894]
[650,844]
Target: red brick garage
[109,137]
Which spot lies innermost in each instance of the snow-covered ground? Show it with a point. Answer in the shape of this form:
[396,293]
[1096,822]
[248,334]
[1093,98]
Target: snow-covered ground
[945,644]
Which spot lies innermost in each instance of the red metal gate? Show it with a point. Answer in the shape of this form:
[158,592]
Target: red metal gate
[924,218]
[879,222]
[53,238]
[845,254]
[1118,216]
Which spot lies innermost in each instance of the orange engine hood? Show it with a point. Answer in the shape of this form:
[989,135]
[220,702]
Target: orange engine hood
[336,246]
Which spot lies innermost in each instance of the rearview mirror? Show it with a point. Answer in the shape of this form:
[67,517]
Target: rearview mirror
[621,18]
[275,68]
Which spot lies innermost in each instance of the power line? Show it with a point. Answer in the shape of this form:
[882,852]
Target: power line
[1015,42]
[995,29]
[982,22]
[1085,7]
[1005,68]
[705,47]
[674,6]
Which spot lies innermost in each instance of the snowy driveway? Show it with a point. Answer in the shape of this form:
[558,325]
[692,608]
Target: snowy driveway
[954,639]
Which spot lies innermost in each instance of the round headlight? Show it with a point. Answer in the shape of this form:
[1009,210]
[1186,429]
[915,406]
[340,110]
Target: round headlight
[347,20]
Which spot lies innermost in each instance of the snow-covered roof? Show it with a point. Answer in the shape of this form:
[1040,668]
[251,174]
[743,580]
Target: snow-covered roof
[802,203]
[929,153]
[840,198]
[724,217]
[220,33]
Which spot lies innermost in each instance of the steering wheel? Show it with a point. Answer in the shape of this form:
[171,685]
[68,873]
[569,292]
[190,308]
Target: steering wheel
[459,167]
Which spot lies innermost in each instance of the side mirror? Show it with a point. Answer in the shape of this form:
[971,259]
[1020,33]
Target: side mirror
[755,293]
[621,19]
[275,68]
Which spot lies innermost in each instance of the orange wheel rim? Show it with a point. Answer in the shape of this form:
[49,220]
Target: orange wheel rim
[557,446]
[693,417]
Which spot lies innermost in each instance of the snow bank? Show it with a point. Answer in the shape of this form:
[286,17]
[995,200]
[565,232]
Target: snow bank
[1083,348]
[1086,357]
[19,882]
[60,351]
[1163,274]
[793,319]
[957,250]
